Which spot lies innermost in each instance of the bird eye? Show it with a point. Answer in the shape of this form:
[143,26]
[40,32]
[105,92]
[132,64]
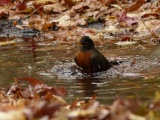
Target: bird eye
[87,43]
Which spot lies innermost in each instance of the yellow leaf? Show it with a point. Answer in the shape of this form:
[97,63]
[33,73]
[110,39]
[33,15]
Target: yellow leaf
[157,96]
[7,42]
[12,115]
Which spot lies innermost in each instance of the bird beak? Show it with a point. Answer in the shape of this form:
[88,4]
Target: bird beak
[78,44]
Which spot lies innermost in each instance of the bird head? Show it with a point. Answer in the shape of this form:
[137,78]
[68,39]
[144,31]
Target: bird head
[86,44]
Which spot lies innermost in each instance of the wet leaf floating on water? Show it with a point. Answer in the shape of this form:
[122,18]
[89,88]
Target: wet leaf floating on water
[32,81]
[133,62]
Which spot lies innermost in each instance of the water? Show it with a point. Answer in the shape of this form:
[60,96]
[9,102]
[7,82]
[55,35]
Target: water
[137,77]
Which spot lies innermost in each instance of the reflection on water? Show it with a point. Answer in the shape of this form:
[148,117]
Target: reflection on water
[89,86]
[53,64]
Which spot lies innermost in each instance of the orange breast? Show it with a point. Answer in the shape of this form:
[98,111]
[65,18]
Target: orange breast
[83,60]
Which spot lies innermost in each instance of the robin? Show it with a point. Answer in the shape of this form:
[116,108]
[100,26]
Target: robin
[89,59]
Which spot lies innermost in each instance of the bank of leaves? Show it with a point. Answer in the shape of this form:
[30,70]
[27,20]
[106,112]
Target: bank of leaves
[137,20]
[37,101]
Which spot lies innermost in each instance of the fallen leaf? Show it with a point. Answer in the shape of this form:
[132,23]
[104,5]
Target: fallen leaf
[123,18]
[4,2]
[125,43]
[12,115]
[45,1]
[69,2]
[64,21]
[154,15]
[22,6]
[7,43]
[111,29]
[54,8]
[135,6]
[151,24]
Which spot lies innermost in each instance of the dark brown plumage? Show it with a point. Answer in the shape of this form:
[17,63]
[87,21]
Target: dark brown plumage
[89,59]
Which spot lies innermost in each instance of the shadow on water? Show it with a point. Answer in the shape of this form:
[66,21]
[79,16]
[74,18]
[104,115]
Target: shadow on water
[53,64]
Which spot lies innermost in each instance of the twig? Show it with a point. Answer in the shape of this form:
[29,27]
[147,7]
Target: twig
[153,34]
[34,11]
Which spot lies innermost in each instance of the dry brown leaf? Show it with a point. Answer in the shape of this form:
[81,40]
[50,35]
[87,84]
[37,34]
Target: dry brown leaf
[151,24]
[107,2]
[153,15]
[124,20]
[69,2]
[54,8]
[64,21]
[135,6]
[3,12]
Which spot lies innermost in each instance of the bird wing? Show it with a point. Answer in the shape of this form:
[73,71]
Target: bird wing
[99,62]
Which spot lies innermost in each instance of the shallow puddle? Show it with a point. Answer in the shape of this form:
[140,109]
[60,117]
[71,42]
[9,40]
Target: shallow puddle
[138,76]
